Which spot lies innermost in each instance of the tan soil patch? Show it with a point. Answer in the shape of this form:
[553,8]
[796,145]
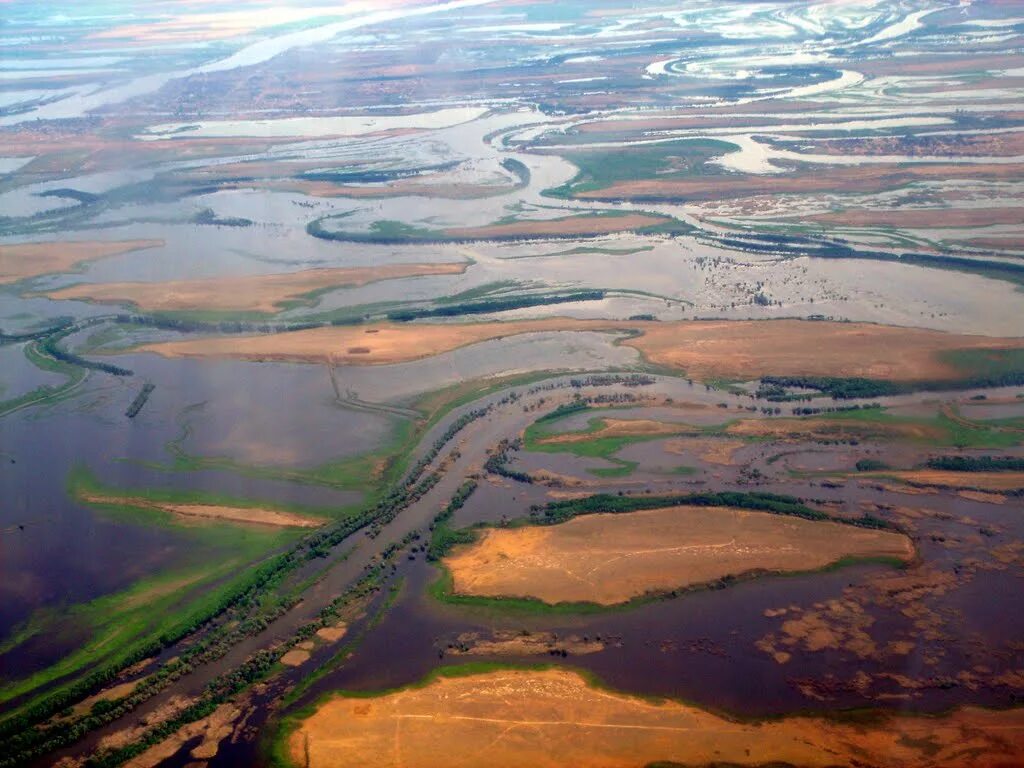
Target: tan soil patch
[245,515]
[984,498]
[166,711]
[747,349]
[115,692]
[333,634]
[572,225]
[553,718]
[295,657]
[210,730]
[711,450]
[830,429]
[611,558]
[983,481]
[704,349]
[23,260]
[619,428]
[245,293]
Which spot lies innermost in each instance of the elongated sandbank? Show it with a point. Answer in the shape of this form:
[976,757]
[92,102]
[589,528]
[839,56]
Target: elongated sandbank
[244,515]
[22,260]
[554,718]
[245,293]
[611,558]
[704,349]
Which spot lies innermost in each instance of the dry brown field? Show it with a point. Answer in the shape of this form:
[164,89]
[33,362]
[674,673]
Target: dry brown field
[612,558]
[554,718]
[23,260]
[704,349]
[245,293]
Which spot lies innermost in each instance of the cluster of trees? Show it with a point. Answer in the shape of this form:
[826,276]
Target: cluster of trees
[494,305]
[140,400]
[497,462]
[810,411]
[977,463]
[856,388]
[871,465]
[842,249]
[444,536]
[51,346]
[561,511]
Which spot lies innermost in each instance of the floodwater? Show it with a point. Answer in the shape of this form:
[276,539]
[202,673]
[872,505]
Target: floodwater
[66,553]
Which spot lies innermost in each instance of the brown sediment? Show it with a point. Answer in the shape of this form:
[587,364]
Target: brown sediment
[946,146]
[554,718]
[612,558]
[295,657]
[704,349]
[209,731]
[982,496]
[22,260]
[831,429]
[333,634]
[244,515]
[619,428]
[509,643]
[922,217]
[865,179]
[709,449]
[245,293]
[977,481]
[1008,243]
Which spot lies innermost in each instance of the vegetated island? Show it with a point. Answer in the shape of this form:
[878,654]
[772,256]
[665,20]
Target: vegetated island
[613,558]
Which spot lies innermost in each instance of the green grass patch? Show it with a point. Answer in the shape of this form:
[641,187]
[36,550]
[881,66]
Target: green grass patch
[670,160]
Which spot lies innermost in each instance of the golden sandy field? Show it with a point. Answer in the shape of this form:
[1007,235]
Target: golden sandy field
[244,515]
[245,293]
[611,558]
[554,718]
[704,349]
[23,260]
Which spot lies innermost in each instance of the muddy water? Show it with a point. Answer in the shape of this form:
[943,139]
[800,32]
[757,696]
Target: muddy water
[701,646]
[66,553]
